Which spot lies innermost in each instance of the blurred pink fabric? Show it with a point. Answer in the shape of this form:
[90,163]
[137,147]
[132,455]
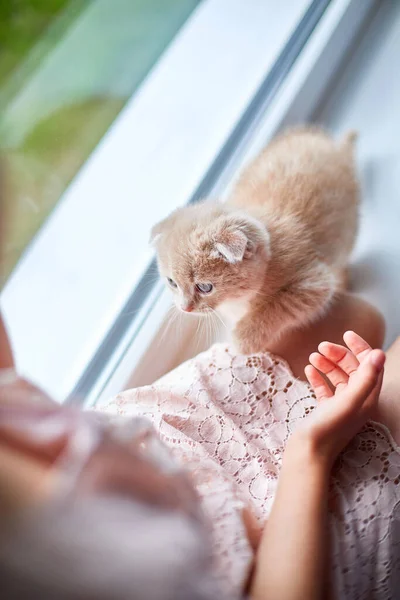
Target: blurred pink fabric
[122,521]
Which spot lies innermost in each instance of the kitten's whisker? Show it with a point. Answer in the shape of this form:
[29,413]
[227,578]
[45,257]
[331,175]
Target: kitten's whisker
[208,329]
[146,285]
[198,332]
[216,327]
[180,325]
[212,330]
[171,316]
[150,282]
[165,328]
[219,317]
[216,330]
[204,332]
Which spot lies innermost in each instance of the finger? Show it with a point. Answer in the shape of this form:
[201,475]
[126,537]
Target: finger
[364,380]
[336,376]
[318,383]
[374,395]
[359,347]
[339,355]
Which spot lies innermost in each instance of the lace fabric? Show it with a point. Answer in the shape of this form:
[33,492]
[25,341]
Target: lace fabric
[227,417]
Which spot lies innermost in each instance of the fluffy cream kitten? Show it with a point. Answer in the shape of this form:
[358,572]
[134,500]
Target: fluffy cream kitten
[273,256]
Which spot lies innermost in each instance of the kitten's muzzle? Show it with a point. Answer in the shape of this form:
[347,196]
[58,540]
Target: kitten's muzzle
[187,308]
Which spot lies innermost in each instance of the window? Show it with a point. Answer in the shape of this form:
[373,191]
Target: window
[114,114]
[67,70]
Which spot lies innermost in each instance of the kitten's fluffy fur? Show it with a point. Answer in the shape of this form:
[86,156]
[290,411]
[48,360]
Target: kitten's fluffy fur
[276,252]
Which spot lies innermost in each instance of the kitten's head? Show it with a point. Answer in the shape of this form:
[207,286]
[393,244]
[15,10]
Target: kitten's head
[210,253]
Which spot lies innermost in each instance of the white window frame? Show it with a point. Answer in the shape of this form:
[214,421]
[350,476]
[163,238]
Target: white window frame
[155,149]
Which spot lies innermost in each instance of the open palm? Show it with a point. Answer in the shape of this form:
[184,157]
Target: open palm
[347,382]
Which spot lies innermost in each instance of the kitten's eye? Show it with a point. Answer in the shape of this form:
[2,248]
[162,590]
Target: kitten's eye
[171,282]
[204,288]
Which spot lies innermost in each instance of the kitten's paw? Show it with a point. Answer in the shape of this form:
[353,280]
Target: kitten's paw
[246,349]
[248,340]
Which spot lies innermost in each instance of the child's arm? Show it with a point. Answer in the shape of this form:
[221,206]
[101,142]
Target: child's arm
[292,554]
[291,558]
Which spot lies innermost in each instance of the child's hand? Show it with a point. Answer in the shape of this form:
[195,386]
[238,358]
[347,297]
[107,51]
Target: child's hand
[356,376]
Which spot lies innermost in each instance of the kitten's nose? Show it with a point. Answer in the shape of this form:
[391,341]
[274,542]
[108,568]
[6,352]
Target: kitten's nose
[187,307]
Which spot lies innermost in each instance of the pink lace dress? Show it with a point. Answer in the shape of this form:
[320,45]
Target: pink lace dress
[228,417]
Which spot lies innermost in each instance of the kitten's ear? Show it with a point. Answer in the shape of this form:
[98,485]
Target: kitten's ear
[156,233]
[164,226]
[240,237]
[233,246]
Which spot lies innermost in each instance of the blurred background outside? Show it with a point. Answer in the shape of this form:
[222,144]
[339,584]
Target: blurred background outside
[67,67]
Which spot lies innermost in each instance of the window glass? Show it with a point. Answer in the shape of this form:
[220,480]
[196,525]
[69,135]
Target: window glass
[67,67]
